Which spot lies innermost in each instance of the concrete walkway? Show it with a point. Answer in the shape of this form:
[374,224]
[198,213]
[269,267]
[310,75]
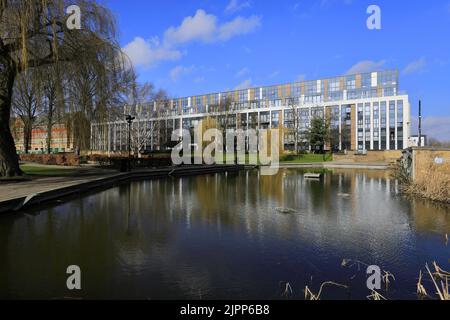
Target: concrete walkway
[10,191]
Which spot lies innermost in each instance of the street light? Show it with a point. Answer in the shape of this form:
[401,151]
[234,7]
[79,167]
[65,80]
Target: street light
[129,120]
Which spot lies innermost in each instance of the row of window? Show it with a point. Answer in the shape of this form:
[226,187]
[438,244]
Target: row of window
[374,131]
[385,83]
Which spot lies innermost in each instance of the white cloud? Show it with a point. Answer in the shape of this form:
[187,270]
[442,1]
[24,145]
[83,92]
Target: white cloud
[200,27]
[415,66]
[244,85]
[242,73]
[237,5]
[144,53]
[366,66]
[204,27]
[238,26]
[180,71]
[435,127]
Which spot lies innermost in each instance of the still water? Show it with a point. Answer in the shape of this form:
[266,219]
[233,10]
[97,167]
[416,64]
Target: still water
[225,236]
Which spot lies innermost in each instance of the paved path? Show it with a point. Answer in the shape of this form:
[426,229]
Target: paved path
[10,191]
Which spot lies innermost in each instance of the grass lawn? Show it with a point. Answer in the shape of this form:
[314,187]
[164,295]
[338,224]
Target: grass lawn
[293,159]
[32,170]
[307,158]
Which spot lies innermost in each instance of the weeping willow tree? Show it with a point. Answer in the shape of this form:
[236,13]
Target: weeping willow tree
[36,34]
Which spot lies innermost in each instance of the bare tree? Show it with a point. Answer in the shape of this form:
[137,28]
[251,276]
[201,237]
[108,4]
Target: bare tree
[161,99]
[26,105]
[34,34]
[433,142]
[52,101]
[225,109]
[145,103]
[295,122]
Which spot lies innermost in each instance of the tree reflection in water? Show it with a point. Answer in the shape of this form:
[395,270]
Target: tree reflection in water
[221,236]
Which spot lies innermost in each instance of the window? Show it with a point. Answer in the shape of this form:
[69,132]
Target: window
[376,115]
[351,83]
[392,114]
[275,119]
[360,116]
[366,80]
[400,113]
[296,90]
[367,116]
[333,85]
[310,88]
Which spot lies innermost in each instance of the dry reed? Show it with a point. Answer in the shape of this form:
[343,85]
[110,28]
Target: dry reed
[309,295]
[432,181]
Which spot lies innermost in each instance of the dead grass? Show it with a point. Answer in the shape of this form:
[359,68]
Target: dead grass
[432,181]
[421,291]
[387,275]
[440,279]
[287,290]
[309,295]
[376,296]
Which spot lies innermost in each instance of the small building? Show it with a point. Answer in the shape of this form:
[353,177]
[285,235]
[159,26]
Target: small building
[414,141]
[60,142]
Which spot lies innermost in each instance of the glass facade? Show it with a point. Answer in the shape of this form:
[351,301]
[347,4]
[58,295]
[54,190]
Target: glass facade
[364,111]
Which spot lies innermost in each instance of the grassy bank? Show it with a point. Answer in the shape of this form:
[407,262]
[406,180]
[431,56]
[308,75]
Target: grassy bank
[306,158]
[43,171]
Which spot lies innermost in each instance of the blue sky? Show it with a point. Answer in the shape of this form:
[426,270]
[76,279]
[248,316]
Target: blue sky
[196,47]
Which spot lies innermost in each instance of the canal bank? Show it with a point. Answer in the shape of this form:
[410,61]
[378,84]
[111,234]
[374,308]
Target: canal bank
[21,195]
[18,196]
[338,165]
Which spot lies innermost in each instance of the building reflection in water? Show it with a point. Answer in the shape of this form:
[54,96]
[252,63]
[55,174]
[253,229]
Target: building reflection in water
[218,236]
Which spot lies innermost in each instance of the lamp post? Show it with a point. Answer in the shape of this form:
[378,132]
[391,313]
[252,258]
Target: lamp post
[129,120]
[420,123]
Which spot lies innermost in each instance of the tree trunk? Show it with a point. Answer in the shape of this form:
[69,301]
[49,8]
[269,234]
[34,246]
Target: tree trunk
[27,134]
[49,127]
[9,161]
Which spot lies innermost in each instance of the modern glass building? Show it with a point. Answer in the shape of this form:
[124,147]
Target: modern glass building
[365,112]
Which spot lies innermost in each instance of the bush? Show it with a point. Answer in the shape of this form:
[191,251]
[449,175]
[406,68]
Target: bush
[288,157]
[60,159]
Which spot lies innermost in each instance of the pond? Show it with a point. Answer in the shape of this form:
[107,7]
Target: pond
[226,236]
